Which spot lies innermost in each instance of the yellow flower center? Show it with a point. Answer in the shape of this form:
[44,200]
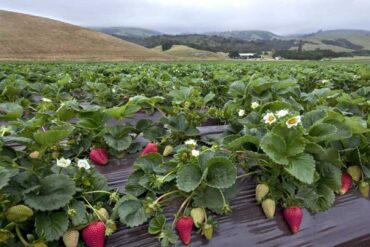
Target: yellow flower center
[292,121]
[271,118]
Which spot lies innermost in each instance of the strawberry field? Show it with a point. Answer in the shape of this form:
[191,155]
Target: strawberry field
[92,152]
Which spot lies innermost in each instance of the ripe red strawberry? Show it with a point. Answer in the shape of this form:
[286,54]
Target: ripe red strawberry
[150,148]
[184,226]
[99,156]
[346,183]
[94,234]
[293,216]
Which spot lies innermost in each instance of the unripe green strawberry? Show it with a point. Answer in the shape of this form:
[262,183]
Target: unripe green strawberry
[39,243]
[269,207]
[207,231]
[18,213]
[198,215]
[261,191]
[34,155]
[5,235]
[110,227]
[55,155]
[70,238]
[364,189]
[355,172]
[103,214]
[167,150]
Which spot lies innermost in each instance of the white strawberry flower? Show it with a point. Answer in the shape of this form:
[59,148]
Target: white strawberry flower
[241,112]
[64,163]
[294,121]
[254,105]
[191,142]
[195,153]
[282,113]
[83,163]
[269,118]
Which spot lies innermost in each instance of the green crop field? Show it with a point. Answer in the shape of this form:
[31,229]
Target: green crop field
[300,129]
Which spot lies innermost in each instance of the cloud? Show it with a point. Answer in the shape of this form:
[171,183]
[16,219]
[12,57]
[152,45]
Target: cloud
[175,16]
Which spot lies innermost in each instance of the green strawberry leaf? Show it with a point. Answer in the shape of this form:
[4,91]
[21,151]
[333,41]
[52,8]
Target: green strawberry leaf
[321,132]
[312,117]
[210,198]
[275,147]
[5,177]
[54,191]
[221,172]
[237,144]
[317,200]
[80,216]
[10,111]
[302,167]
[119,112]
[131,212]
[189,177]
[157,224]
[209,97]
[167,237]
[204,157]
[149,162]
[330,175]
[51,225]
[356,124]
[51,137]
[293,138]
[132,185]
[118,144]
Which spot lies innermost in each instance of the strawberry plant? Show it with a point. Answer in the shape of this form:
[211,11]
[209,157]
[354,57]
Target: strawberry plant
[301,130]
[192,173]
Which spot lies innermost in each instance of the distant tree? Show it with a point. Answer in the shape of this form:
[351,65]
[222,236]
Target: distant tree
[234,54]
[166,45]
[300,45]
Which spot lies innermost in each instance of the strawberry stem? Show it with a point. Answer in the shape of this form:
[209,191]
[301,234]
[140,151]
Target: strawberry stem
[92,208]
[246,174]
[98,191]
[164,195]
[184,203]
[19,234]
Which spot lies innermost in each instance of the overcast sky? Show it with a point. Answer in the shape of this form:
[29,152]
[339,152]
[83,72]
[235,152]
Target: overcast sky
[178,16]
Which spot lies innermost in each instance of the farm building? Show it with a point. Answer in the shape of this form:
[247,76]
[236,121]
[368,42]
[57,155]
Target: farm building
[248,55]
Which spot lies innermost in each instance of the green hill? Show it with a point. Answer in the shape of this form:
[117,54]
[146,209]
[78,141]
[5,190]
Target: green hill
[183,51]
[247,35]
[341,40]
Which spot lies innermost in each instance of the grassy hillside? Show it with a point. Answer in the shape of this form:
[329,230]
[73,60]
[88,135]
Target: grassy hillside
[248,35]
[30,37]
[356,37]
[183,51]
[127,31]
[216,43]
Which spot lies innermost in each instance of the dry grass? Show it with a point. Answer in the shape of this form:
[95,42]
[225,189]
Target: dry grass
[26,37]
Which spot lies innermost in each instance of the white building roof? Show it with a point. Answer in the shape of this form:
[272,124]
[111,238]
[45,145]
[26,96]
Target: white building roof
[246,54]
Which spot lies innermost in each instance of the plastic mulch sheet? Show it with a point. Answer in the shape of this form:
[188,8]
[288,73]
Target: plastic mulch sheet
[345,224]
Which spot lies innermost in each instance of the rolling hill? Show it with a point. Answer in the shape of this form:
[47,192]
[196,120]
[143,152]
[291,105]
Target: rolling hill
[247,35]
[26,37]
[321,38]
[183,51]
[133,32]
